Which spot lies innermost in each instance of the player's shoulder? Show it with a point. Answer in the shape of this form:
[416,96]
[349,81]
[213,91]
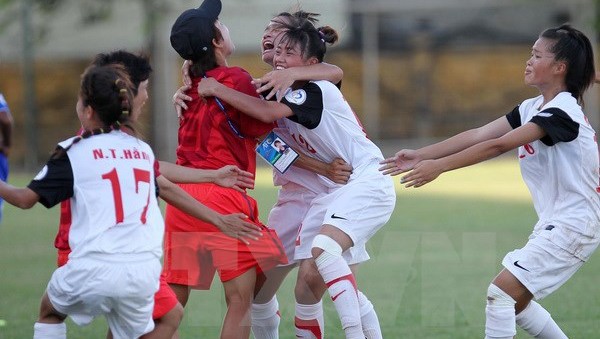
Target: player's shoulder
[233,74]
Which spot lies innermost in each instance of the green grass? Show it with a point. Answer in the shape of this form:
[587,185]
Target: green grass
[430,268]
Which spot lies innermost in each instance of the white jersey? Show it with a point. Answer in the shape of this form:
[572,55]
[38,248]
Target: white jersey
[307,179]
[325,126]
[561,170]
[110,180]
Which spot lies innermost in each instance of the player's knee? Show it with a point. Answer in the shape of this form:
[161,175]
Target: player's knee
[497,297]
[309,285]
[324,244]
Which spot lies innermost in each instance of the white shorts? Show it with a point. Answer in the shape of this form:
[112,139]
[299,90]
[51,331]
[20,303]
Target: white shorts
[122,291]
[288,217]
[359,209]
[542,265]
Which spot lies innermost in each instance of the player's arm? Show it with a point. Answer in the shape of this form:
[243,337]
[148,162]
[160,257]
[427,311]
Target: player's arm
[233,225]
[23,198]
[278,81]
[406,159]
[337,170]
[427,170]
[227,176]
[262,110]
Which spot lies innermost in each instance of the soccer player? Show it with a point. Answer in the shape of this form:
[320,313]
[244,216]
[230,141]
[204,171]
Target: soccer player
[317,114]
[558,156]
[167,312]
[117,229]
[212,135]
[6,124]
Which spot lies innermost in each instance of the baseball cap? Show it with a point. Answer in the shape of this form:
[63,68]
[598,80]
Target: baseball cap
[193,31]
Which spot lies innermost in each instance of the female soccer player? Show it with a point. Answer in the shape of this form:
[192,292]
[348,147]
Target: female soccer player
[117,229]
[322,122]
[558,156]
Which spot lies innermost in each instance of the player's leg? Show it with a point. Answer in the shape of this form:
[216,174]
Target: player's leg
[265,307]
[167,313]
[536,321]
[50,323]
[327,250]
[309,290]
[506,295]
[239,293]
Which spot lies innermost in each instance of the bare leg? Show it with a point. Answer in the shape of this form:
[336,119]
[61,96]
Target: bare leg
[239,293]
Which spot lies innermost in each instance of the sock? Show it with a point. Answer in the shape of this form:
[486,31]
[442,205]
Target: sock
[536,321]
[342,289]
[499,314]
[368,318]
[265,320]
[49,331]
[309,321]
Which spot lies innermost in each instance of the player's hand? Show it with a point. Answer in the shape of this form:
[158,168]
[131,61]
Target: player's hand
[236,226]
[339,171]
[277,81]
[401,162]
[424,172]
[185,72]
[179,99]
[233,177]
[208,87]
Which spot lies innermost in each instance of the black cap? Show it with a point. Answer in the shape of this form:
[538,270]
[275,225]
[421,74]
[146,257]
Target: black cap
[193,31]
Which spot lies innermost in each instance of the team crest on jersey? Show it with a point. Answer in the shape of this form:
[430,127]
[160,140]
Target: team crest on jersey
[297,97]
[41,173]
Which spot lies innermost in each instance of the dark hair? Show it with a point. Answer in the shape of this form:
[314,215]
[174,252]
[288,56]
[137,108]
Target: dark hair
[300,30]
[299,14]
[206,61]
[574,48]
[108,90]
[137,66]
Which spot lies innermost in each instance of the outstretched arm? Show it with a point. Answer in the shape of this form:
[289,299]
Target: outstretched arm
[23,198]
[263,110]
[227,176]
[427,170]
[406,159]
[233,225]
[278,81]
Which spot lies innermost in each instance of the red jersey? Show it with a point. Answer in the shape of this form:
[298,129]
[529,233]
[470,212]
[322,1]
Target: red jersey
[209,137]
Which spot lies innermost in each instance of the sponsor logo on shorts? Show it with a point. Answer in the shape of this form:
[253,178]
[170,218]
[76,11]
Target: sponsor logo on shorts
[516,263]
[333,216]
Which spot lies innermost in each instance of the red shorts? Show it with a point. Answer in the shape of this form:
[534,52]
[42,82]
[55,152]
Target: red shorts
[195,249]
[62,257]
[164,299]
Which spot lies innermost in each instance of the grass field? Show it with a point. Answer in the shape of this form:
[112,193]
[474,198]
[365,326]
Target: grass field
[430,268]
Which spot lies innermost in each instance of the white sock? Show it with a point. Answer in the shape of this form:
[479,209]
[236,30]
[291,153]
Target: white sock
[368,318]
[536,321]
[49,331]
[309,321]
[265,320]
[499,314]
[342,289]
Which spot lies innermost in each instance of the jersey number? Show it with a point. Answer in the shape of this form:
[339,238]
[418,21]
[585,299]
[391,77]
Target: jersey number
[139,175]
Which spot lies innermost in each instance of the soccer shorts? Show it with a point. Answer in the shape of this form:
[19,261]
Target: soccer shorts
[164,299]
[121,289]
[544,264]
[195,249]
[291,220]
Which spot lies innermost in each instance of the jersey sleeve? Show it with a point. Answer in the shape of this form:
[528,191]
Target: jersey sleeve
[557,124]
[249,127]
[514,118]
[54,183]
[307,105]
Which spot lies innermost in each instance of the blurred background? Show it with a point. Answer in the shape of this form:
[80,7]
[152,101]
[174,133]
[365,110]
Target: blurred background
[414,70]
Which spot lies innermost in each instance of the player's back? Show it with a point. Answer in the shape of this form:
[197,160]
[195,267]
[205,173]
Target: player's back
[114,206]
